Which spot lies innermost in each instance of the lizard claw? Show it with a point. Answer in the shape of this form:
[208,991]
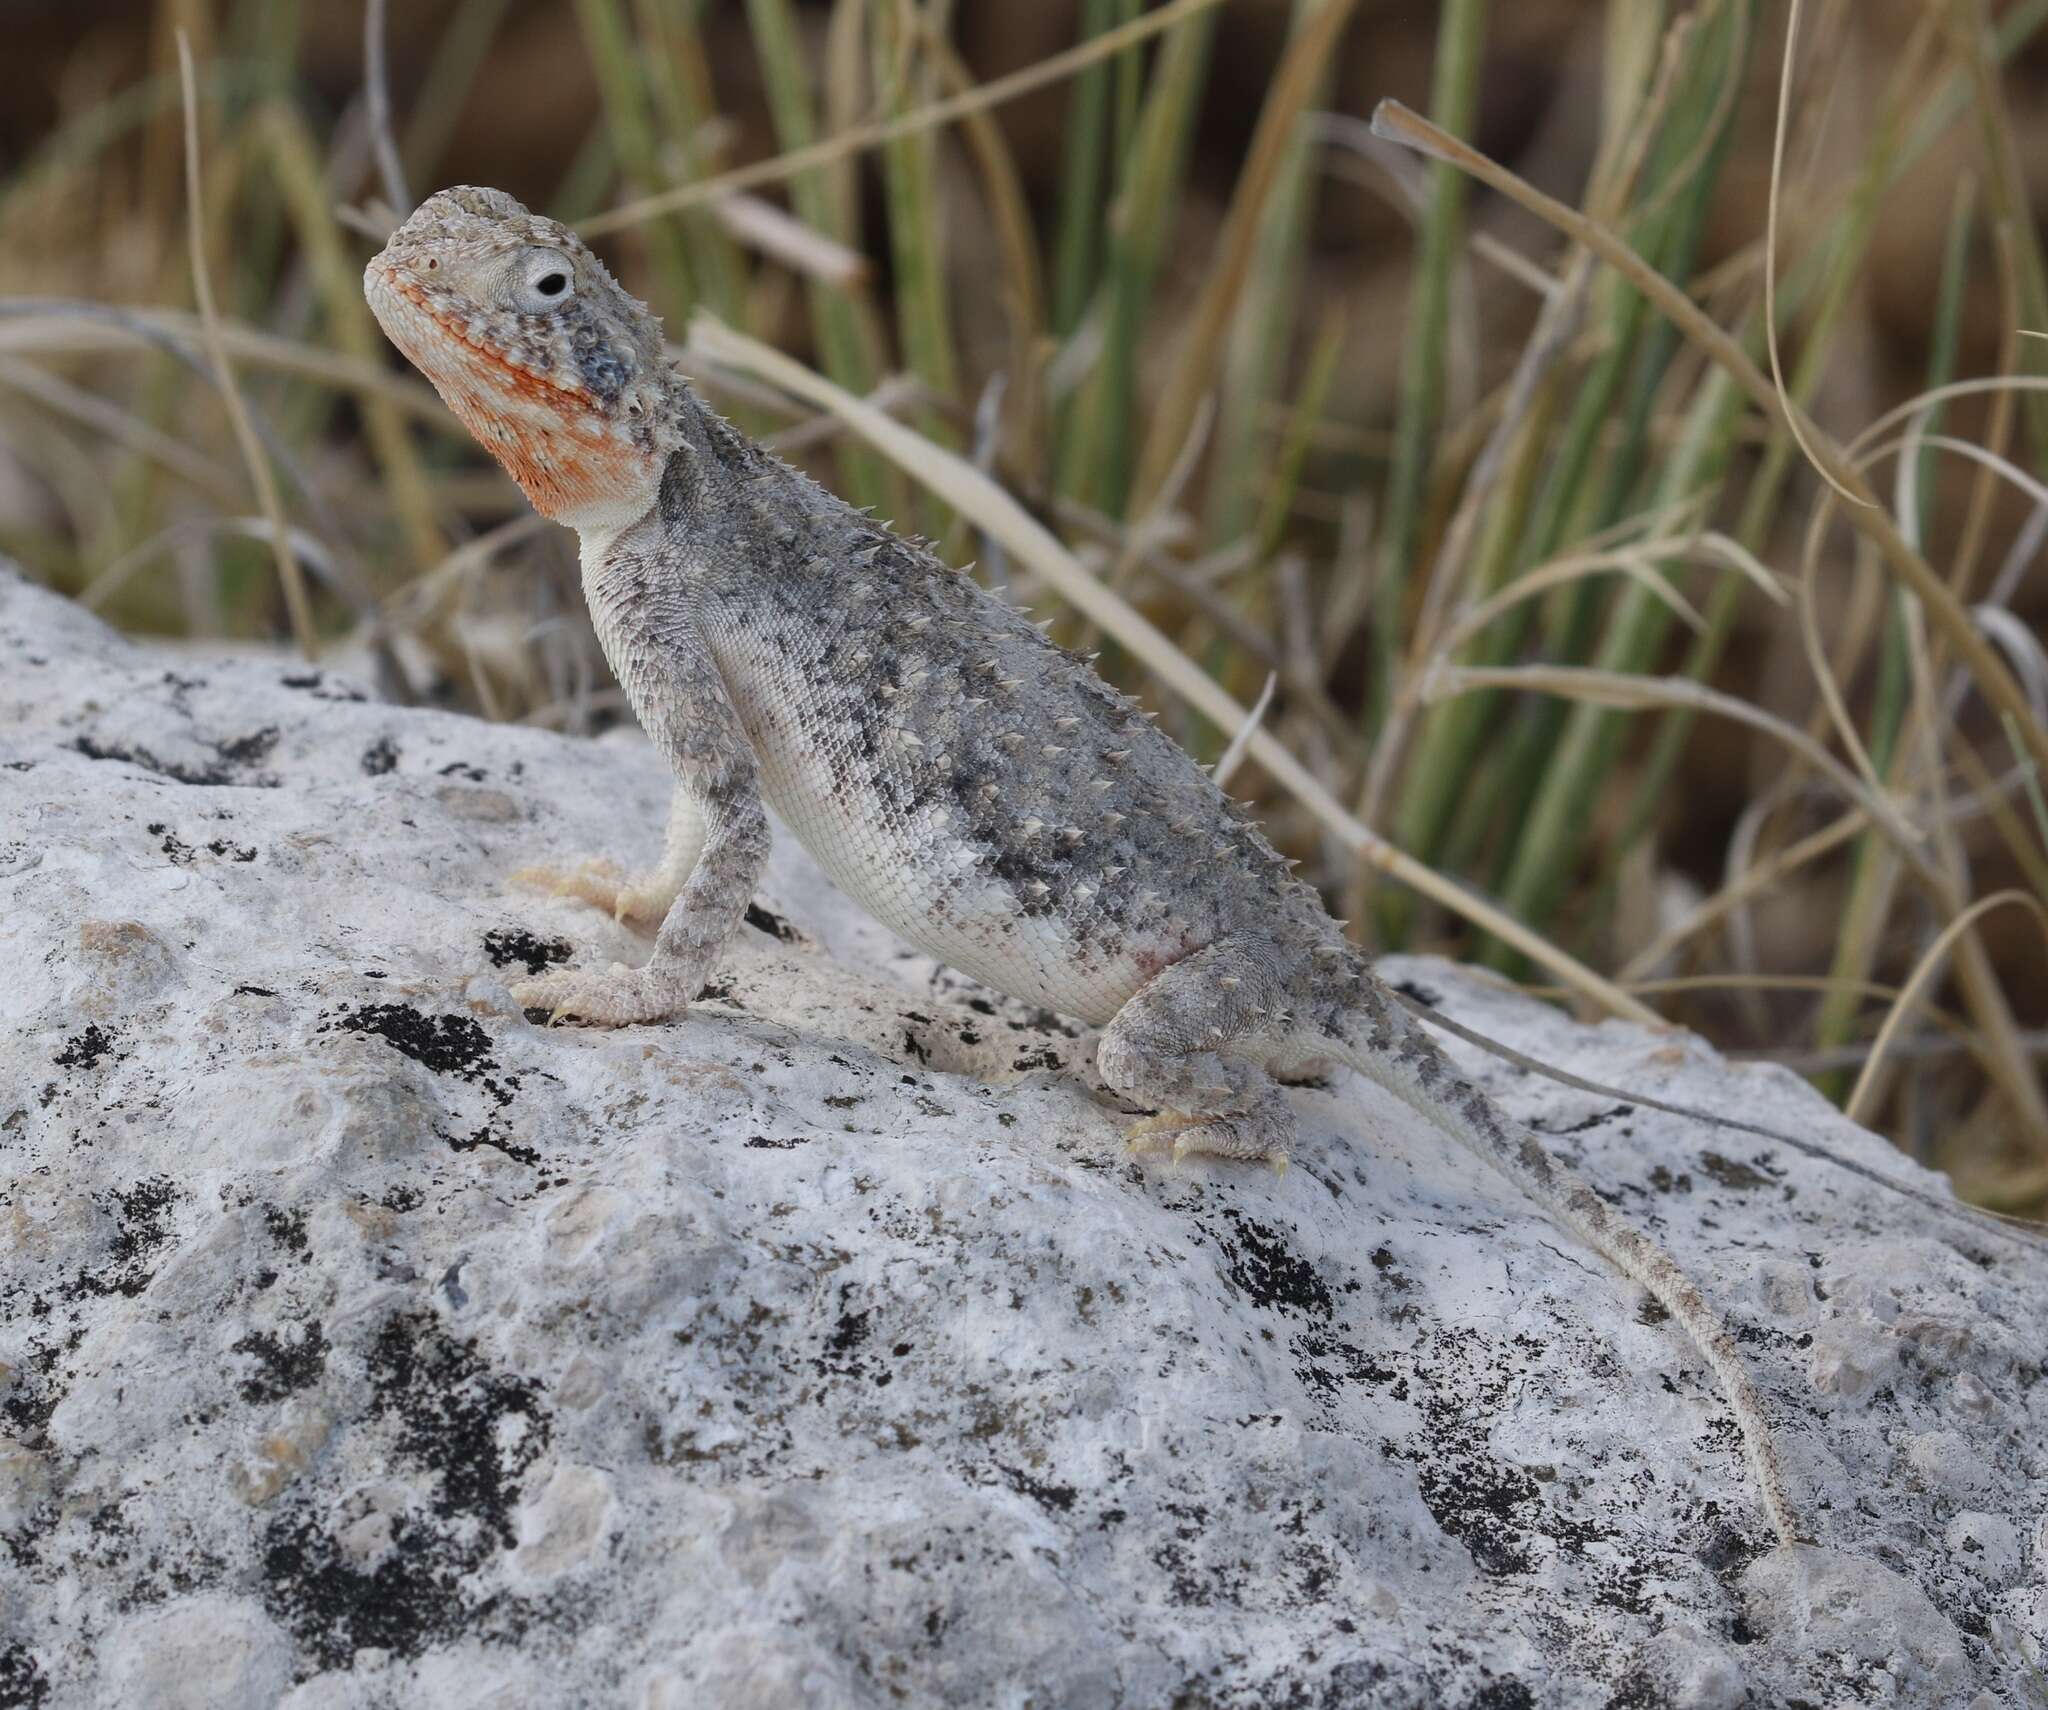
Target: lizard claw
[623,997]
[1213,1136]
[1149,1133]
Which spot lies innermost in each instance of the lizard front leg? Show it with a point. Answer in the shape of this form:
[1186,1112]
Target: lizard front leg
[718,833]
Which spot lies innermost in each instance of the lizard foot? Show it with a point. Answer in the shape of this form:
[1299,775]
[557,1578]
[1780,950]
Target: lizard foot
[1219,1136]
[623,997]
[638,902]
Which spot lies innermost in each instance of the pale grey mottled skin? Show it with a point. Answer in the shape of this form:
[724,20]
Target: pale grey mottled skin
[973,786]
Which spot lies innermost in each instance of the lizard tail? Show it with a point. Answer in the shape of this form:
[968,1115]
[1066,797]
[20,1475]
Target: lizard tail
[1387,1046]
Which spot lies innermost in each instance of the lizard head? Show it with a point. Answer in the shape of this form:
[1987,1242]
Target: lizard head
[558,373]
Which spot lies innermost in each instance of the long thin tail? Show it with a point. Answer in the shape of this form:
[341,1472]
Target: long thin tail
[1389,1047]
[2024,1229]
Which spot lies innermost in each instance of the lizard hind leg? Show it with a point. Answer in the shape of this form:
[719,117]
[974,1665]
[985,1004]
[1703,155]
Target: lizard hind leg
[1187,1044]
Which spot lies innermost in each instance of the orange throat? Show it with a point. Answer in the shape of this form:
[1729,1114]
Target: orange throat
[555,441]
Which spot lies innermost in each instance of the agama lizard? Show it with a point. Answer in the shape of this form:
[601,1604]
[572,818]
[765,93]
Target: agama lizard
[975,788]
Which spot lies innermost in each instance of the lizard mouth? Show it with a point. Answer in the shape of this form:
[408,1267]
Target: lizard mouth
[509,373]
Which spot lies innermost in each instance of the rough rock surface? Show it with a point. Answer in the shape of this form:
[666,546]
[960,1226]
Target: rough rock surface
[362,1344]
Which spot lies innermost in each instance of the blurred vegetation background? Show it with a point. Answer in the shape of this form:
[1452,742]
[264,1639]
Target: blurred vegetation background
[1572,645]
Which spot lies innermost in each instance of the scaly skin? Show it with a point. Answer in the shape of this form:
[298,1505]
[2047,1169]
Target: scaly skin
[975,788]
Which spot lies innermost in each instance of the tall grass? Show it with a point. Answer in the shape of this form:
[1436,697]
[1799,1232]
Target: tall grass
[1504,600]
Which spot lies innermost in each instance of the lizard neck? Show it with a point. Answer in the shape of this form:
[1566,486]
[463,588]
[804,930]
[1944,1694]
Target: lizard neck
[686,447]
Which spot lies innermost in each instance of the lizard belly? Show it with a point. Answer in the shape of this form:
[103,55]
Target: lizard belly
[937,894]
[907,864]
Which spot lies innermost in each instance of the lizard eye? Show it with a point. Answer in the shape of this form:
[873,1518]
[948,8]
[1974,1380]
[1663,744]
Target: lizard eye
[545,281]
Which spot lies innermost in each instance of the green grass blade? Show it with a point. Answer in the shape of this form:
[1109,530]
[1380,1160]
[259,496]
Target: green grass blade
[845,346]
[1098,461]
[615,59]
[1078,246]
[1454,98]
[917,247]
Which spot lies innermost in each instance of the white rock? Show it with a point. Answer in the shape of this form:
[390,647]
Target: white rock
[1687,1669]
[1834,1607]
[1948,1462]
[564,1527]
[1989,1545]
[2023,1611]
[197,1653]
[366,1345]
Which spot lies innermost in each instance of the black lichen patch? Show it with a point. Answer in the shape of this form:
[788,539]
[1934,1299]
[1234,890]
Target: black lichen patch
[1637,1691]
[1586,1124]
[37,1388]
[1053,1498]
[140,1215]
[176,771]
[452,1045]
[447,1044]
[1389,1268]
[1481,1502]
[1505,1693]
[403,1604]
[1325,1362]
[282,1367]
[1731,1173]
[83,1050]
[453,1413]
[288,1230]
[773,924]
[248,750]
[1269,1273]
[232,767]
[316,684]
[22,1685]
[505,945]
[380,757]
[851,1332]
[852,1329]
[1040,1057]
[176,851]
[474,1434]
[1510,1518]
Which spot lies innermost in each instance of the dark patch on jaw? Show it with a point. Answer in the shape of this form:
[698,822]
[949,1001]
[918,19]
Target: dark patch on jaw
[604,372]
[680,488]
